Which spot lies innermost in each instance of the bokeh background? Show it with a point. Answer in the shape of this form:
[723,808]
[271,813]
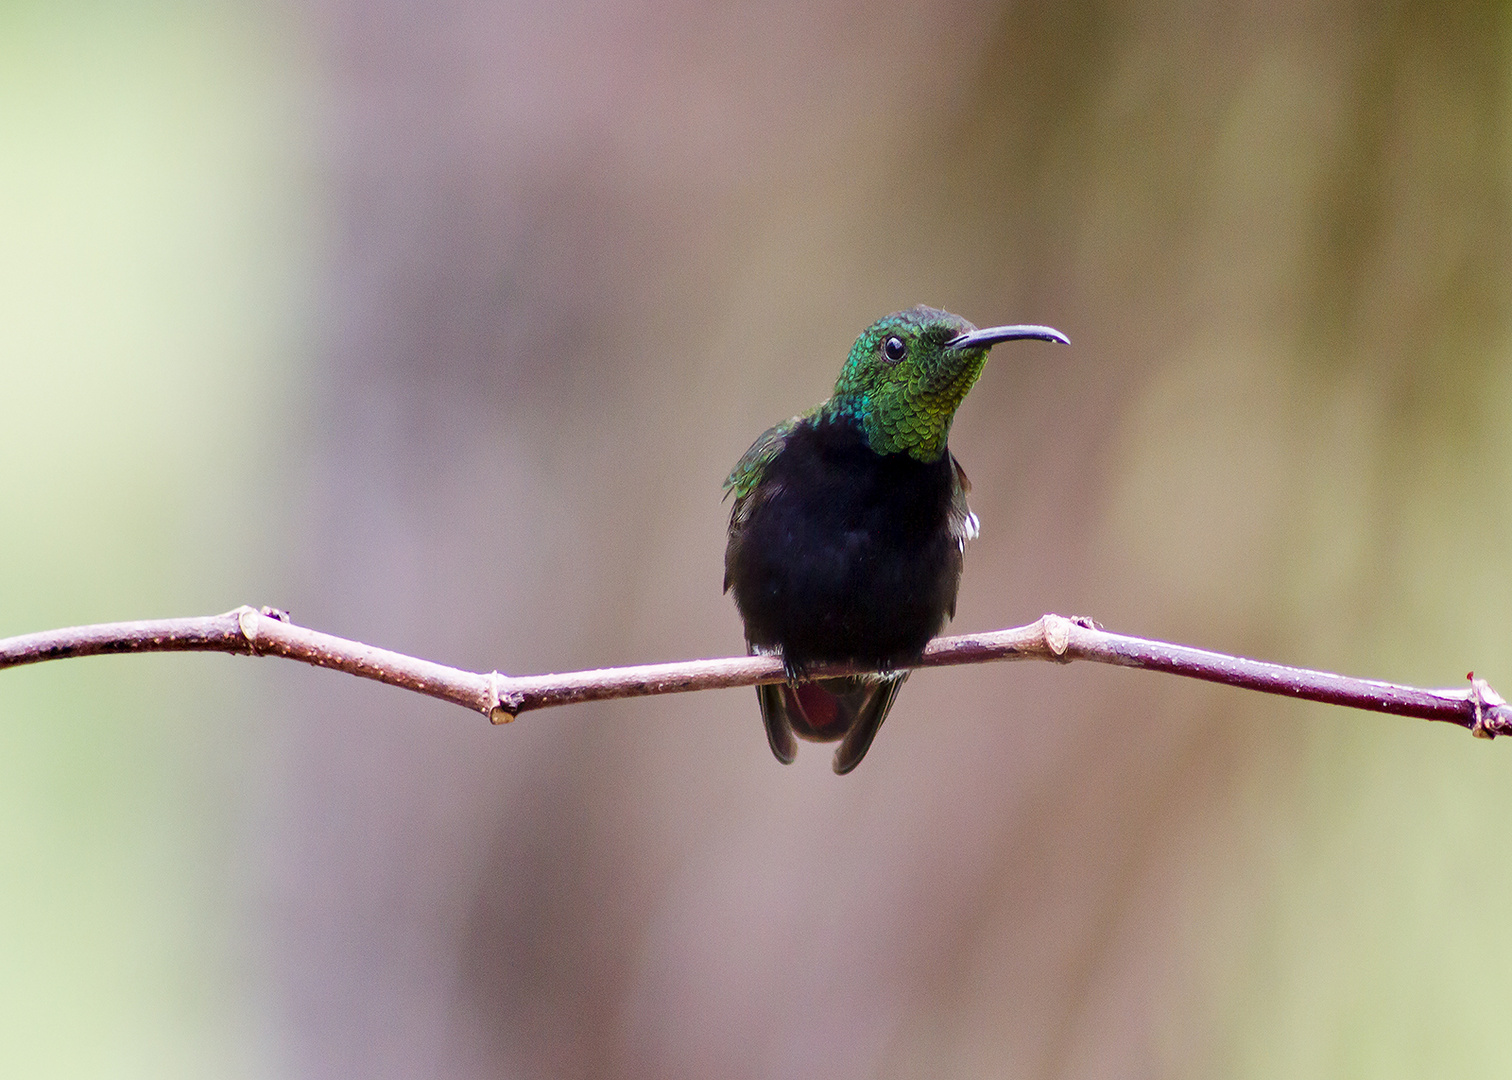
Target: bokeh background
[440,324]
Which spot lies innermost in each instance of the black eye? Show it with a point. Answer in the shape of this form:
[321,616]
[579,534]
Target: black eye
[894,349]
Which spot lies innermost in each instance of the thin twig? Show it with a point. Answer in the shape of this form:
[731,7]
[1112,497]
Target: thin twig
[503,697]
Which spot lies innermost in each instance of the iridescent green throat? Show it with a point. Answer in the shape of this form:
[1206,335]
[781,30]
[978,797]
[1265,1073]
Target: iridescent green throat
[906,406]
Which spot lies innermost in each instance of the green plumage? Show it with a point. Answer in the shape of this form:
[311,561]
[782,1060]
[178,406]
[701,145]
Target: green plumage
[907,406]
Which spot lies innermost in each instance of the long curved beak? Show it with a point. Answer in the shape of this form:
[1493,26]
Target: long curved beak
[986,339]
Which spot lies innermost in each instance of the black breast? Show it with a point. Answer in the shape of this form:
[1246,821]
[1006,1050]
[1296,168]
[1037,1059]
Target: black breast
[846,554]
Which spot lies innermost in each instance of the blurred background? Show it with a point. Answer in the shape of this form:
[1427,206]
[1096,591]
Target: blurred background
[440,325]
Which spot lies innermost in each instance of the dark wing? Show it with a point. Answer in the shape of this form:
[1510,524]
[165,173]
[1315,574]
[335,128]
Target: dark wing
[779,725]
[745,483]
[749,470]
[871,703]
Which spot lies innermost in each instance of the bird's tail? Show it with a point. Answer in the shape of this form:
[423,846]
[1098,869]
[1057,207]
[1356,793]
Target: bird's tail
[849,709]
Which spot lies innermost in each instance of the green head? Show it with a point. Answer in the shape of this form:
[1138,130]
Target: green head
[908,373]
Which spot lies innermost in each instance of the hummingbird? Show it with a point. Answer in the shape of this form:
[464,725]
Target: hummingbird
[850,524]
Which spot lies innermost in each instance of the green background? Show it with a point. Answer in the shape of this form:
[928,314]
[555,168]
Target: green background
[441,327]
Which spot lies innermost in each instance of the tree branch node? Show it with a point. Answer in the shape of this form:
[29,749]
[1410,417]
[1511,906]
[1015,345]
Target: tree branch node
[1489,709]
[1057,632]
[506,703]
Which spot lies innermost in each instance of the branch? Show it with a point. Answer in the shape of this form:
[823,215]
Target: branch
[503,697]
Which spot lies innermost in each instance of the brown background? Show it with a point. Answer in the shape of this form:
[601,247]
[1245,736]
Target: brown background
[563,262]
